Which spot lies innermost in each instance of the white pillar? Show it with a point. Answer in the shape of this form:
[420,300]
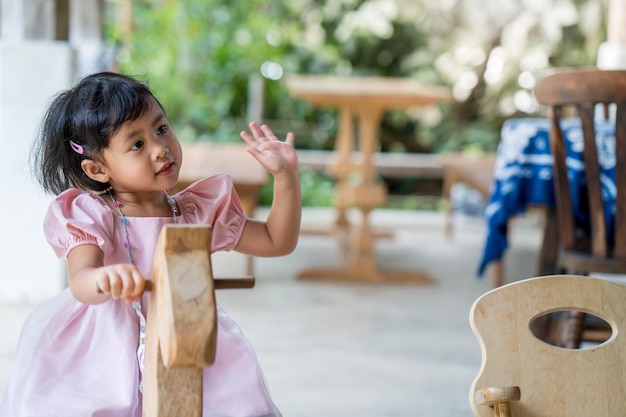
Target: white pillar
[86,27]
[12,26]
[612,53]
[31,72]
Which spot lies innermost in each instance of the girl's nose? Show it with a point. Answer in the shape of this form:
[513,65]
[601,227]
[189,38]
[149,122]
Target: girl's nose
[161,149]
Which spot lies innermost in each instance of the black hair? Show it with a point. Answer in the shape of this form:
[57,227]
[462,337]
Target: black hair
[87,114]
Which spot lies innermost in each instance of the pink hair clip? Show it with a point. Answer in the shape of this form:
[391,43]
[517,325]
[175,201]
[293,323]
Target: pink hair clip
[76,147]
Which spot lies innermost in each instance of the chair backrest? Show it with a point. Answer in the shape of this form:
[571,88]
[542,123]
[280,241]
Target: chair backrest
[584,90]
[552,381]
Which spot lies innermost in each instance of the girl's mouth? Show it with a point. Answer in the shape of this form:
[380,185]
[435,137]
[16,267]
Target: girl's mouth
[166,170]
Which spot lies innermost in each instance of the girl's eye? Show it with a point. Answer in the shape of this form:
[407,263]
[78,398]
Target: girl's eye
[163,129]
[137,145]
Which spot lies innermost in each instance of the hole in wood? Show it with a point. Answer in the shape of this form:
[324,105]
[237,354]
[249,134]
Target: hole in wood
[571,329]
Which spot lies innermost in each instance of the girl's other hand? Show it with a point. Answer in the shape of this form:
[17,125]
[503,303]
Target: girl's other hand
[275,156]
[121,281]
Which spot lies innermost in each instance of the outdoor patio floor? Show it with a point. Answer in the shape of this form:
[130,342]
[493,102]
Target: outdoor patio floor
[356,349]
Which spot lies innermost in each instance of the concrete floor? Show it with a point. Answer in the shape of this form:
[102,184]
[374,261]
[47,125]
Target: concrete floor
[354,349]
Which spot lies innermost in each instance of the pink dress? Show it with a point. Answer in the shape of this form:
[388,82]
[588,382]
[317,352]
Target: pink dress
[80,360]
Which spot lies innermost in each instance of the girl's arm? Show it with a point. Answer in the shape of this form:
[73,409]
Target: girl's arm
[278,235]
[93,283]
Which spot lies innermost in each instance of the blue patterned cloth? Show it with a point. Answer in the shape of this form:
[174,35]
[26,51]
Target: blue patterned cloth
[523,176]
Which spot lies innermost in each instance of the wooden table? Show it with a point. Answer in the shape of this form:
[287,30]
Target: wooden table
[364,100]
[523,180]
[203,159]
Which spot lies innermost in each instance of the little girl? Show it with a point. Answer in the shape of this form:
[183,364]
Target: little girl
[107,151]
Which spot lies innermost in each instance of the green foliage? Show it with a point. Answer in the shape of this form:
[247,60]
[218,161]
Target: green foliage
[317,190]
[197,56]
[200,55]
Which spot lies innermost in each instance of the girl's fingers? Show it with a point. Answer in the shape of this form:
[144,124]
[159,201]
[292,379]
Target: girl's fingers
[269,135]
[103,287]
[263,134]
[246,137]
[256,132]
[257,135]
[121,282]
[115,287]
[139,283]
[132,285]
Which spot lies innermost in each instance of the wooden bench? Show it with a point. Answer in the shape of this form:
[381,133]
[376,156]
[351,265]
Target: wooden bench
[388,164]
[453,167]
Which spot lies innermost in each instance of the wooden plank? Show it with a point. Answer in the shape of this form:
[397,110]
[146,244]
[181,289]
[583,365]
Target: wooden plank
[388,164]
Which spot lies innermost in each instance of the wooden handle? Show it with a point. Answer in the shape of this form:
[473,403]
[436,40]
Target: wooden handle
[234,283]
[221,283]
[496,395]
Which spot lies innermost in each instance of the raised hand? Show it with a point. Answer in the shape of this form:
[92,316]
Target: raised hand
[274,155]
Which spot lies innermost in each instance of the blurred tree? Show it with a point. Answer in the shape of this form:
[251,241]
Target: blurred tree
[199,55]
[489,51]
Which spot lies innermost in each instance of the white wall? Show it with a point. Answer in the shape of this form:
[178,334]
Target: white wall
[31,72]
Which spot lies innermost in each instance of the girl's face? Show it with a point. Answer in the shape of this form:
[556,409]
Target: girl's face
[144,155]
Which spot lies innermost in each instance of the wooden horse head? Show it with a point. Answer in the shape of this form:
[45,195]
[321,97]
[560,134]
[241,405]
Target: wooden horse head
[182,321]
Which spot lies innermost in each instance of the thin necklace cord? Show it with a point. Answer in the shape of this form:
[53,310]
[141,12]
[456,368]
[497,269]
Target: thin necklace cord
[136,304]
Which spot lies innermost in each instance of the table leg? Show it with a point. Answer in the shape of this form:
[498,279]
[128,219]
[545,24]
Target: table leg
[340,167]
[497,273]
[366,193]
[548,255]
[549,327]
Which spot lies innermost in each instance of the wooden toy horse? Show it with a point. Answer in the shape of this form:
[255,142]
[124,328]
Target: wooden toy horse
[182,321]
[523,376]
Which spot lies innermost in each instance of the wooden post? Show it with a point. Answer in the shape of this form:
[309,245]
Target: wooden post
[62,20]
[182,321]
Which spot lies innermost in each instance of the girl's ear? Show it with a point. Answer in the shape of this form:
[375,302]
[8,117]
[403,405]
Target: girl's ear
[95,170]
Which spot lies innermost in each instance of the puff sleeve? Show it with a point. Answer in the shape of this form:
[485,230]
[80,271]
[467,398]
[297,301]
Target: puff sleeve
[214,201]
[76,218]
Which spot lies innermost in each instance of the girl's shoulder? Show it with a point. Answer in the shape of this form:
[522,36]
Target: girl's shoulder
[76,200]
[74,206]
[77,217]
[214,201]
[211,187]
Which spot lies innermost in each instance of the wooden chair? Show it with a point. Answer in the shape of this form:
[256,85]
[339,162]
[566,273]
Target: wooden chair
[477,173]
[181,325]
[523,376]
[474,171]
[582,92]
